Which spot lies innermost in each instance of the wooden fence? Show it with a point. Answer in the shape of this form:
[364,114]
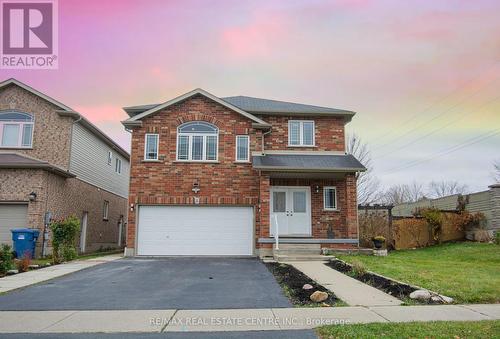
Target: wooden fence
[403,232]
[414,232]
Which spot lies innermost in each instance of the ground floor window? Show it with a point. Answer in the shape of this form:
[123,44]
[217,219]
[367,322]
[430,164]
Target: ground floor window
[105,210]
[330,198]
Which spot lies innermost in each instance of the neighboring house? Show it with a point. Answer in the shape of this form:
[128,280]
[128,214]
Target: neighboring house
[53,160]
[220,176]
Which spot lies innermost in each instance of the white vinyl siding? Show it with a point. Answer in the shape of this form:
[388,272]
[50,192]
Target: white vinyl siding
[330,198]
[151,144]
[88,162]
[242,148]
[301,133]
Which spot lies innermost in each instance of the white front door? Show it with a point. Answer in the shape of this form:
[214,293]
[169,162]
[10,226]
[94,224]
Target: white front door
[291,210]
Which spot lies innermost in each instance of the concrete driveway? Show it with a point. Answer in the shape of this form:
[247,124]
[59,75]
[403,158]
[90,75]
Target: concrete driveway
[163,283]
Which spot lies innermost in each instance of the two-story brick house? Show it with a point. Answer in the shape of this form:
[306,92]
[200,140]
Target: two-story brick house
[55,162]
[222,176]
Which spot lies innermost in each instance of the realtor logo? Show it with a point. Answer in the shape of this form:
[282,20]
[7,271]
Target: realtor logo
[29,34]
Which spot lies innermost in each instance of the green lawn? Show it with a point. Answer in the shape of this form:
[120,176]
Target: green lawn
[438,329]
[467,272]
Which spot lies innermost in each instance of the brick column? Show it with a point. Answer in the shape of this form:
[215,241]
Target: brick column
[262,228]
[495,207]
[131,222]
[352,206]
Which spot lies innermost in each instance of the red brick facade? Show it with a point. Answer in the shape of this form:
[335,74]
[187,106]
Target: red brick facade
[170,182]
[329,133]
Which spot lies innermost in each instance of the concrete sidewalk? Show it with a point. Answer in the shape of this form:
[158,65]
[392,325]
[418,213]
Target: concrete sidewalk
[231,319]
[20,280]
[349,290]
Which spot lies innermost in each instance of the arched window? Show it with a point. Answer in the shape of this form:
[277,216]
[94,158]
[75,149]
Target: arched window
[16,129]
[197,141]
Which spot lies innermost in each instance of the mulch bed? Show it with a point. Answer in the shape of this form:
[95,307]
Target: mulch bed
[396,289]
[292,280]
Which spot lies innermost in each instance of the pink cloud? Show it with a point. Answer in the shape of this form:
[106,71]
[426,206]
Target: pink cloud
[255,39]
[103,113]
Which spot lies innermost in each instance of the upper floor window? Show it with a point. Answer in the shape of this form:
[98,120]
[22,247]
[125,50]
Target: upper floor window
[110,157]
[151,147]
[242,148]
[16,130]
[118,166]
[197,141]
[300,133]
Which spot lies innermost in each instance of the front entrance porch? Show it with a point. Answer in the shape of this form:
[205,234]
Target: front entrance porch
[306,213]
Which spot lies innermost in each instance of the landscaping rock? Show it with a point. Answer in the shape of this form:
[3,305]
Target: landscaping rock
[34,266]
[420,295]
[307,287]
[11,272]
[319,296]
[442,298]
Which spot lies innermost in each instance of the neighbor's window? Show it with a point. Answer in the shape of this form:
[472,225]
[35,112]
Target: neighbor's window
[118,166]
[242,148]
[300,133]
[151,147]
[197,141]
[330,198]
[110,157]
[105,210]
[16,130]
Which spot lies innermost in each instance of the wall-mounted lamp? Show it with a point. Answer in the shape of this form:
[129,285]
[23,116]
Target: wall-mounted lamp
[316,189]
[32,196]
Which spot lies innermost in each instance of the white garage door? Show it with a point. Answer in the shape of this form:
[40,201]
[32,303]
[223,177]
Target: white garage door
[12,216]
[195,230]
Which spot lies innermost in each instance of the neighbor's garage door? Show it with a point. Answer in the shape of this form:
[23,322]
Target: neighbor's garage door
[12,216]
[197,230]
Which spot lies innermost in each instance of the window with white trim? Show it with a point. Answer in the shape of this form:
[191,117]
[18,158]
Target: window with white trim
[330,198]
[151,147]
[110,157]
[16,129]
[197,141]
[242,148]
[105,210]
[301,133]
[118,166]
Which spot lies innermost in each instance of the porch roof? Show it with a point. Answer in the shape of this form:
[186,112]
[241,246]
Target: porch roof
[15,160]
[308,163]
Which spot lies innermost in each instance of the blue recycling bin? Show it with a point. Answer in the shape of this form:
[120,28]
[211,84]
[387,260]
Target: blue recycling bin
[24,240]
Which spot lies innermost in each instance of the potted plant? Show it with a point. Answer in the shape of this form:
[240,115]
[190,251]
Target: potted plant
[378,241]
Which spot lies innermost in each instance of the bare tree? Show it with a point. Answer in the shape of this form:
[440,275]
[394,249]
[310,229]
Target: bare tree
[403,193]
[368,185]
[496,171]
[439,189]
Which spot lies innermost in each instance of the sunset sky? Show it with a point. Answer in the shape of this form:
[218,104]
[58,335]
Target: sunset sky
[424,76]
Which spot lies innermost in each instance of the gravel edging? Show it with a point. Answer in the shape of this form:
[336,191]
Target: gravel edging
[388,285]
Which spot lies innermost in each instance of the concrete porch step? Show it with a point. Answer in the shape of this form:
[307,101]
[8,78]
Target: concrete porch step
[301,257]
[297,252]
